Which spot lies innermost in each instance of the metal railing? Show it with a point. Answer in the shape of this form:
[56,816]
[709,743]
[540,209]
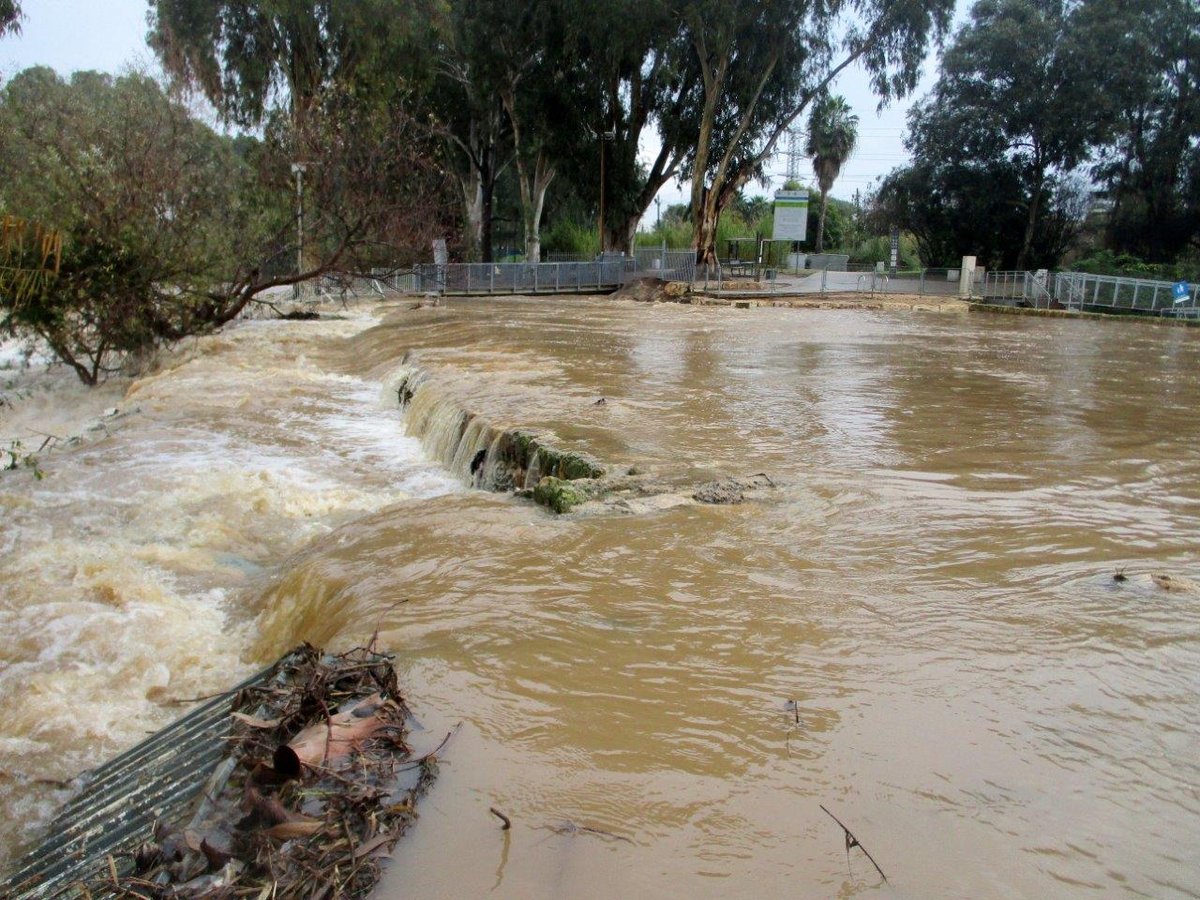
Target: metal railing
[1079,290]
[610,272]
[1083,291]
[670,265]
[867,281]
[524,278]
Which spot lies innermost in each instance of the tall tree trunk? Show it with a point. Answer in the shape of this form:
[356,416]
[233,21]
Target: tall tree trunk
[487,198]
[618,236]
[472,191]
[1035,203]
[533,200]
[704,209]
[705,237]
[533,184]
[821,223]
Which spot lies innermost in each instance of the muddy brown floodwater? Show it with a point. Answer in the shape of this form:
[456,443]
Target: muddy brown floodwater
[917,628]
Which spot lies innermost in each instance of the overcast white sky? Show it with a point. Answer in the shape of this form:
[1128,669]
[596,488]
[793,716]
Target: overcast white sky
[109,35]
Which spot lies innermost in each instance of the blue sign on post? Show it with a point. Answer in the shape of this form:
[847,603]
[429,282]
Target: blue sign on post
[1180,291]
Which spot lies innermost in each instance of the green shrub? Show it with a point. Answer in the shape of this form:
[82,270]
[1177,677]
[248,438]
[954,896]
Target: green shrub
[879,249]
[1126,265]
[567,236]
[678,235]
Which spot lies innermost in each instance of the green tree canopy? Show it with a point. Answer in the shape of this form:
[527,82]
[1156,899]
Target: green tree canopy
[1032,95]
[249,56]
[170,229]
[10,16]
[149,203]
[1150,164]
[762,65]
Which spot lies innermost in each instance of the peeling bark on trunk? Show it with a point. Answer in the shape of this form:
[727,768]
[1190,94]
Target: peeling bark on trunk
[472,192]
[706,235]
[533,185]
[533,200]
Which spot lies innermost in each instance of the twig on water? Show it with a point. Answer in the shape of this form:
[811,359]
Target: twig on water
[852,841]
[432,754]
[379,623]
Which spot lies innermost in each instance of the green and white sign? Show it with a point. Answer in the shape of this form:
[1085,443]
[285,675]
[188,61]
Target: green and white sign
[791,216]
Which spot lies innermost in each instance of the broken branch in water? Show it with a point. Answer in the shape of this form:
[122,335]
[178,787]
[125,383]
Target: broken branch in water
[794,707]
[852,841]
[502,817]
[569,827]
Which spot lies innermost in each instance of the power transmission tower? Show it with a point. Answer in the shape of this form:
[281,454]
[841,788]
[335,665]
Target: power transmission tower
[794,153]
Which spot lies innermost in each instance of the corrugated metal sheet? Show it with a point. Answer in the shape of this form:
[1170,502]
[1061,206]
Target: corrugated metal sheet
[119,802]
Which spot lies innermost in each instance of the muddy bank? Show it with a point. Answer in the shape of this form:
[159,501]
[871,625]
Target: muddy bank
[753,295]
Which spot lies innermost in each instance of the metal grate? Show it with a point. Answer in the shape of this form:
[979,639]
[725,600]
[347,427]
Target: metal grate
[118,804]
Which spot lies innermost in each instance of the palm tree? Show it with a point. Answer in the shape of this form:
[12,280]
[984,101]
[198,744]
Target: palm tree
[832,134]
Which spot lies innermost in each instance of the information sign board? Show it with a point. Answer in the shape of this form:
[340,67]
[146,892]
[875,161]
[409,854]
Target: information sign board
[791,216]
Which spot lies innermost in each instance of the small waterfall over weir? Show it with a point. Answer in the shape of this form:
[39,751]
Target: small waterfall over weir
[485,455]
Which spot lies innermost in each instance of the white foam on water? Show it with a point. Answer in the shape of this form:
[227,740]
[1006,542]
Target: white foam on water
[128,572]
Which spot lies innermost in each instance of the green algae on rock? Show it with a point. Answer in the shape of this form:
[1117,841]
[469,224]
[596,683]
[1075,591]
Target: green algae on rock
[559,494]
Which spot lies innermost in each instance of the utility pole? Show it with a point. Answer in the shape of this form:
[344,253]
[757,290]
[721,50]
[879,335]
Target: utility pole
[298,169]
[605,137]
[658,204]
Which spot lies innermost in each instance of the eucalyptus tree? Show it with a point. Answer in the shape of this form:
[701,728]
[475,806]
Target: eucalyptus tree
[627,76]
[250,57]
[832,135]
[1145,59]
[467,113]
[1012,84]
[763,63]
[322,79]
[10,16]
[498,102]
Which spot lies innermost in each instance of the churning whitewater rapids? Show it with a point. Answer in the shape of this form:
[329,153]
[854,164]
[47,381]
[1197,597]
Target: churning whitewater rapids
[917,627]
